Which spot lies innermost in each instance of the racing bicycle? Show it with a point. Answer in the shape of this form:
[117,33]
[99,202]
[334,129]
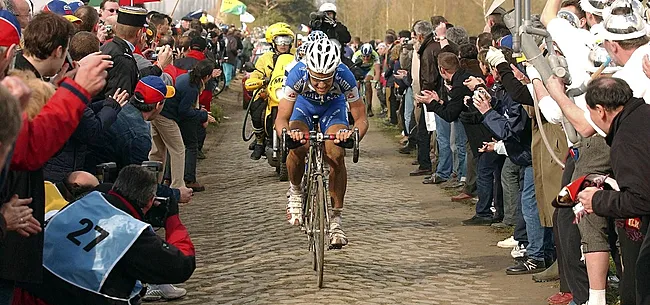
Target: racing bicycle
[315,207]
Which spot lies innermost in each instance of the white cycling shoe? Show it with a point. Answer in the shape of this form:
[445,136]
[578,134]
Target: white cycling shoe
[337,236]
[294,207]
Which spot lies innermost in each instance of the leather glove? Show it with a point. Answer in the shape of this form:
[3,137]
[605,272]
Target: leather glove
[495,57]
[330,21]
[533,73]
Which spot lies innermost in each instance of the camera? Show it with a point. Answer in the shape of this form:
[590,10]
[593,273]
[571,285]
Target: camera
[157,215]
[105,171]
[159,211]
[317,21]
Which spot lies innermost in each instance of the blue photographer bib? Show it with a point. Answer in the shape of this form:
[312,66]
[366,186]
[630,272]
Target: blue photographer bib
[85,240]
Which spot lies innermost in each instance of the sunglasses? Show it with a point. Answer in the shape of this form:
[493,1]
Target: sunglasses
[321,80]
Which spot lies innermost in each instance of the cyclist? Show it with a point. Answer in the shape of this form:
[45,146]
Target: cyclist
[299,56]
[280,36]
[322,86]
[367,62]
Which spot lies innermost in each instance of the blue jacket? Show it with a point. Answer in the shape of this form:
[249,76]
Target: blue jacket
[509,122]
[73,155]
[127,142]
[181,107]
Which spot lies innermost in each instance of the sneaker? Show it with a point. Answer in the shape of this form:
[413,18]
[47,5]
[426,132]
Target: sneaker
[434,179]
[478,221]
[294,207]
[258,151]
[560,298]
[528,266]
[200,155]
[508,243]
[163,292]
[518,252]
[500,225]
[337,236]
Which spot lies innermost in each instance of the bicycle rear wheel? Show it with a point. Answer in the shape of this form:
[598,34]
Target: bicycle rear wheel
[319,226]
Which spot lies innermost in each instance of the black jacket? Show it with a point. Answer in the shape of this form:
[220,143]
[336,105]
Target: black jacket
[628,138]
[339,32]
[124,73]
[454,108]
[150,260]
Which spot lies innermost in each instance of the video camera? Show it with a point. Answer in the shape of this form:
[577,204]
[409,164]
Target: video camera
[317,21]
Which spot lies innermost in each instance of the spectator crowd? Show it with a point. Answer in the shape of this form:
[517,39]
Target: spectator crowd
[558,160]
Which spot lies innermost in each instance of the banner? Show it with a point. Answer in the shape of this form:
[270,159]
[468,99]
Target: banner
[234,7]
[246,17]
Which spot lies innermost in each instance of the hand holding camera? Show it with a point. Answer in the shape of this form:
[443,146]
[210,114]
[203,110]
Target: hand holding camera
[482,100]
[165,56]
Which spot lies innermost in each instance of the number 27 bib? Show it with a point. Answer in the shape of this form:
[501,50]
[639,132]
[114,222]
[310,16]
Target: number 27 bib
[85,240]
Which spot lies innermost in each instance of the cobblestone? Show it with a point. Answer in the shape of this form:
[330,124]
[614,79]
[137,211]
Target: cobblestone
[248,254]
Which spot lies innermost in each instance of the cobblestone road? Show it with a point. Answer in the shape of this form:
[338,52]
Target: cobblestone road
[248,254]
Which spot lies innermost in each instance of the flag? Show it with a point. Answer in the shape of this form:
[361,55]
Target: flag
[234,7]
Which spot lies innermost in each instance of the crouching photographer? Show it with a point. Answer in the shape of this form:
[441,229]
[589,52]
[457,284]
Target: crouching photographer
[98,249]
[325,20]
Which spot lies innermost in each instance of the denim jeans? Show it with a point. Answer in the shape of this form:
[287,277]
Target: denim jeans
[460,140]
[540,239]
[228,70]
[445,155]
[510,179]
[189,132]
[488,164]
[408,108]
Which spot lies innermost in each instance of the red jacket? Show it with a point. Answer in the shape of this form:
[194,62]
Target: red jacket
[43,136]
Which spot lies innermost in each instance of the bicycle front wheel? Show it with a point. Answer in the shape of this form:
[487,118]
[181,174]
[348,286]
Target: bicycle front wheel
[319,229]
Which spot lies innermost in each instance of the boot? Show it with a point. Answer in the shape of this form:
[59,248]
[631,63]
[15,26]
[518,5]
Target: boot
[550,274]
[258,149]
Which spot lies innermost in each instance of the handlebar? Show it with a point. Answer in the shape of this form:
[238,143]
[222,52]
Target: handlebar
[351,143]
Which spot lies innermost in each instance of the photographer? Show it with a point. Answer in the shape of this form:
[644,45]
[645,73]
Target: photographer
[70,265]
[325,20]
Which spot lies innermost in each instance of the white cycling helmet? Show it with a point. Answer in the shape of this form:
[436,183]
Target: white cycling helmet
[570,17]
[327,7]
[302,50]
[323,57]
[623,23]
[595,7]
[636,5]
[316,35]
[366,49]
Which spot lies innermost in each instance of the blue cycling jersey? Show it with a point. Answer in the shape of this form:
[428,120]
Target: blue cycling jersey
[297,84]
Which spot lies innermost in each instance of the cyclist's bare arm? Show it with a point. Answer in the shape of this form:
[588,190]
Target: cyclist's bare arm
[377,69]
[358,110]
[284,114]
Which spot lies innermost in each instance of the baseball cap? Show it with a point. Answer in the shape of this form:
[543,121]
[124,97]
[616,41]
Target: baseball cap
[198,43]
[61,8]
[9,29]
[153,90]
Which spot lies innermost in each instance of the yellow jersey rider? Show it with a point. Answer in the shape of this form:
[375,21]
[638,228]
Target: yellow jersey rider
[281,38]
